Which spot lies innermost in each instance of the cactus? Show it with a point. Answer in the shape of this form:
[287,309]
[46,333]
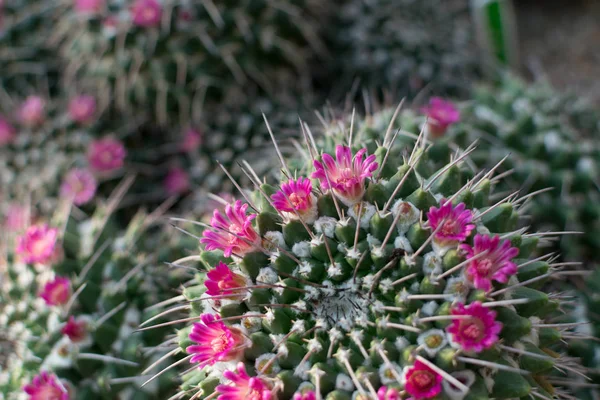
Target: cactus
[380,278]
[166,57]
[70,304]
[406,45]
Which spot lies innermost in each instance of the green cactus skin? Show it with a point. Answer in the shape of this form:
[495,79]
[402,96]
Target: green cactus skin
[343,307]
[117,274]
[406,45]
[200,51]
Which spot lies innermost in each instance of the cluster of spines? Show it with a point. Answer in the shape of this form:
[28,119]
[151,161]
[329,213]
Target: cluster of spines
[306,295]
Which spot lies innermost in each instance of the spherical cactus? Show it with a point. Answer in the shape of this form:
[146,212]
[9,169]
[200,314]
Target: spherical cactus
[166,57]
[406,45]
[374,277]
[70,302]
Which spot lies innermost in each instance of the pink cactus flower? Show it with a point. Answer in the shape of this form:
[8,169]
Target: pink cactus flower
[346,174]
[294,195]
[76,331]
[57,292]
[385,393]
[46,387]
[422,382]
[17,218]
[79,185]
[177,181]
[234,234]
[192,139]
[440,115]
[146,13]
[106,154]
[306,395]
[221,278]
[456,222]
[477,333]
[37,244]
[82,108]
[89,6]
[32,111]
[243,387]
[496,265]
[216,342]
[7,132]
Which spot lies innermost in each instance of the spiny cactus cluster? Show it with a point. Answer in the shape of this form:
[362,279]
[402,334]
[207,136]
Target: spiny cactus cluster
[169,56]
[71,301]
[406,45]
[376,277]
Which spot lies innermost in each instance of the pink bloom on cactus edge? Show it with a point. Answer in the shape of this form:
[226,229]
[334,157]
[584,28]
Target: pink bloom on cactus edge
[295,195]
[495,265]
[192,139]
[476,333]
[385,393]
[57,292]
[306,395]
[441,114]
[243,387]
[7,132]
[177,181]
[222,278]
[106,154]
[456,222]
[216,342]
[37,244]
[76,331]
[82,108]
[79,185]
[422,382]
[346,174]
[233,234]
[89,6]
[146,13]
[32,111]
[46,387]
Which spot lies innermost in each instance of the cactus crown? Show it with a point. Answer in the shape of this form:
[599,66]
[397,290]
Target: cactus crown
[380,278]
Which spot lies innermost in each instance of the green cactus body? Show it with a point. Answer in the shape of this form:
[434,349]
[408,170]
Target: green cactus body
[366,285]
[406,44]
[84,333]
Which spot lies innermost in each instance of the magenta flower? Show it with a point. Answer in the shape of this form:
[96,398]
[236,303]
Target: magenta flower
[89,6]
[385,393]
[192,139]
[456,222]
[346,174]
[296,195]
[422,382]
[7,132]
[216,342]
[32,112]
[106,154]
[495,265]
[222,278]
[46,387]
[37,244]
[243,387]
[16,218]
[306,395]
[234,234]
[441,114]
[76,331]
[79,185]
[177,181]
[57,292]
[146,13]
[477,333]
[82,108]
